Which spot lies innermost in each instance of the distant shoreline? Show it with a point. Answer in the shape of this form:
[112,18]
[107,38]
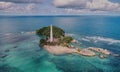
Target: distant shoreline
[59,15]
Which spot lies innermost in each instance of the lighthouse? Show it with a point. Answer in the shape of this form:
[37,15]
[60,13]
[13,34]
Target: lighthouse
[51,33]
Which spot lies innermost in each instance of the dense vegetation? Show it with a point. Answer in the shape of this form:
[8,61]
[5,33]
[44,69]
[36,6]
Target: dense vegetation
[67,39]
[43,42]
[58,34]
[45,31]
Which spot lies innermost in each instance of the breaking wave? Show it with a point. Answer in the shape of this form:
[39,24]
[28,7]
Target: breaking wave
[96,39]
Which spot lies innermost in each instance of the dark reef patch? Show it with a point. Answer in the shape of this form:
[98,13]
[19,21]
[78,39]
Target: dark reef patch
[75,65]
[6,68]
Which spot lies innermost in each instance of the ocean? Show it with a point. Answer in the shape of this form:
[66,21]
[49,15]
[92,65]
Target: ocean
[20,51]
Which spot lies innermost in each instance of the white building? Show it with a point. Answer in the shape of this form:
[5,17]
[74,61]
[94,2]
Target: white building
[51,33]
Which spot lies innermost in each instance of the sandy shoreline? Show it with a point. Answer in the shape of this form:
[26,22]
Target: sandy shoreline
[59,49]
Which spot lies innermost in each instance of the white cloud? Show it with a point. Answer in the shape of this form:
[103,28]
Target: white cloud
[30,7]
[101,5]
[67,7]
[6,5]
[24,1]
[69,3]
[16,7]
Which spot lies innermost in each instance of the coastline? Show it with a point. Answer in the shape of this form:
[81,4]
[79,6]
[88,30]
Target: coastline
[59,49]
[90,52]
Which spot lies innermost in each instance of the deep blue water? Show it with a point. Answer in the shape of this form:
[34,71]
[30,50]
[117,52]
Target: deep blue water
[107,26]
[19,50]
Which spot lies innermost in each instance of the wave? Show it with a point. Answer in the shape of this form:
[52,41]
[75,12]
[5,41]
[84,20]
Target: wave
[96,39]
[29,32]
[5,36]
[22,32]
[69,34]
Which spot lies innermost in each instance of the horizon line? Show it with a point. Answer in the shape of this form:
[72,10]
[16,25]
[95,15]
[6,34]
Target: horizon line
[62,15]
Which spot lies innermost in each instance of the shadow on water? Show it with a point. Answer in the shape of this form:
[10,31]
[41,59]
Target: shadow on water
[115,63]
[74,64]
[7,68]
[13,39]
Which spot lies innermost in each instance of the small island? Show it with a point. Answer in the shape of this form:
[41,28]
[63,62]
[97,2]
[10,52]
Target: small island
[55,41]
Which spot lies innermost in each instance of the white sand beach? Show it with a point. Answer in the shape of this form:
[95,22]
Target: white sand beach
[64,50]
[59,49]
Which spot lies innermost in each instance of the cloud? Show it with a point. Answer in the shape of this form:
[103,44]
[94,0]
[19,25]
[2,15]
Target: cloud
[104,5]
[23,1]
[16,7]
[59,7]
[30,7]
[6,5]
[69,3]
[97,5]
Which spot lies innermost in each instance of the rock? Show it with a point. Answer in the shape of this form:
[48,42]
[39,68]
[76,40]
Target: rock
[100,50]
[71,46]
[74,41]
[103,56]
[7,50]
[15,46]
[86,52]
[3,56]
[116,55]
[78,49]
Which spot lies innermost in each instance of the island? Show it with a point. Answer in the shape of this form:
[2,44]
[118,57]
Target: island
[55,41]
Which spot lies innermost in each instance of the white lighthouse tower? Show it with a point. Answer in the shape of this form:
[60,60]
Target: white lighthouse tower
[51,33]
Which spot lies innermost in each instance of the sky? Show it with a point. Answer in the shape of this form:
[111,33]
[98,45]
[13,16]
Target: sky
[59,7]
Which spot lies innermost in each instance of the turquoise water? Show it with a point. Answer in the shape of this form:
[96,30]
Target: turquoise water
[20,51]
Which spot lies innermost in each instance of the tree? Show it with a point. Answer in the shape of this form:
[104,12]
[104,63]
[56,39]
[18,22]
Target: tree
[67,39]
[58,34]
[45,31]
[43,42]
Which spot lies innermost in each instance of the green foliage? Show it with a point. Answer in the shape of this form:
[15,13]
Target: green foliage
[58,33]
[43,42]
[51,43]
[67,39]
[45,31]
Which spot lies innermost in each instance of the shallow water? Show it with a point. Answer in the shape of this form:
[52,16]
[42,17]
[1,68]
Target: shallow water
[20,51]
